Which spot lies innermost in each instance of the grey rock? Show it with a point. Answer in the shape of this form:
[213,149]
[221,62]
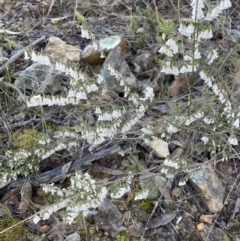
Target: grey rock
[117,62]
[41,78]
[73,237]
[210,188]
[109,218]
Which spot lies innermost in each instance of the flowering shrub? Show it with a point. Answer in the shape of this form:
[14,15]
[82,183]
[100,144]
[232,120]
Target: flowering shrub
[83,193]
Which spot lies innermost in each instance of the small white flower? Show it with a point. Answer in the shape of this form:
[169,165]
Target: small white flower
[141,195]
[205,140]
[183,29]
[36,219]
[147,130]
[172,45]
[81,95]
[225,4]
[208,121]
[197,12]
[212,56]
[105,117]
[172,129]
[85,33]
[236,123]
[168,69]
[182,182]
[187,68]
[148,92]
[206,34]
[197,54]
[233,141]
[116,114]
[90,88]
[98,110]
[166,50]
[190,28]
[99,79]
[188,58]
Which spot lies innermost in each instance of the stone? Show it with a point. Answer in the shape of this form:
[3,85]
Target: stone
[116,61]
[62,52]
[73,237]
[109,218]
[41,78]
[92,55]
[209,233]
[209,187]
[206,219]
[159,146]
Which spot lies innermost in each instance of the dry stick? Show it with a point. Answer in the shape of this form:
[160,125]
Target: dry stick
[20,53]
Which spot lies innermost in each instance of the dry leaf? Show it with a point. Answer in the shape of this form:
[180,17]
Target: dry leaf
[162,220]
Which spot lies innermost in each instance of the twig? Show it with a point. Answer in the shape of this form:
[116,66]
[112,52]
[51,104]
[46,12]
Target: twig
[20,53]
[13,87]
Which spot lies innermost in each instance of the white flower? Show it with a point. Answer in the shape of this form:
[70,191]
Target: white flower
[141,195]
[171,163]
[85,33]
[98,110]
[199,115]
[168,69]
[188,58]
[166,50]
[197,12]
[147,130]
[236,123]
[116,114]
[172,129]
[233,141]
[183,29]
[197,54]
[90,88]
[36,219]
[214,13]
[225,4]
[206,34]
[182,182]
[205,140]
[148,91]
[81,95]
[187,68]
[190,28]
[208,120]
[99,79]
[121,191]
[105,117]
[172,45]
[212,56]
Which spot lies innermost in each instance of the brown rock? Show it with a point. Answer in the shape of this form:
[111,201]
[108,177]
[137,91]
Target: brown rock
[200,227]
[44,229]
[134,231]
[62,52]
[206,219]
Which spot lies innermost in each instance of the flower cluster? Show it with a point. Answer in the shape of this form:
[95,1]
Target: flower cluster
[82,195]
[123,188]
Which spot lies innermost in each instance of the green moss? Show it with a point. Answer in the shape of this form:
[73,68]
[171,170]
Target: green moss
[122,237]
[16,233]
[27,140]
[146,204]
